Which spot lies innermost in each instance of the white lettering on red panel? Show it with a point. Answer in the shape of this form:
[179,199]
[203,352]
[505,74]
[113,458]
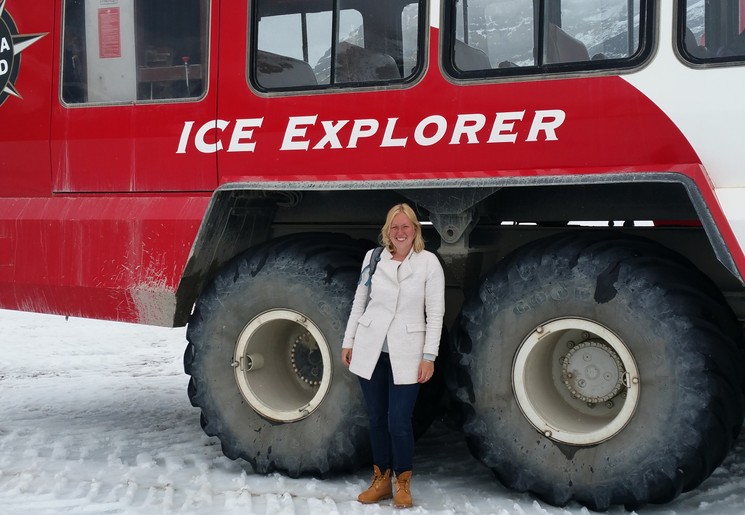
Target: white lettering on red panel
[470,128]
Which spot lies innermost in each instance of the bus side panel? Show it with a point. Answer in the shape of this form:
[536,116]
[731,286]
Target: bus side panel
[113,258]
[436,128]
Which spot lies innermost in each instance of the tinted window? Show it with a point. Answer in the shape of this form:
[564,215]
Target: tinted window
[712,32]
[508,37]
[141,50]
[293,44]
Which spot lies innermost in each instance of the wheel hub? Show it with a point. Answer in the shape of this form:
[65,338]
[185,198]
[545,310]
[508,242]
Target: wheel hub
[306,359]
[592,372]
[575,393]
[282,365]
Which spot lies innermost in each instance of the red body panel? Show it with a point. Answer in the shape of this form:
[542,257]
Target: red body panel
[111,257]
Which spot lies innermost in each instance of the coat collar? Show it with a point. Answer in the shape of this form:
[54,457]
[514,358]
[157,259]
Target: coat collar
[405,269]
[387,254]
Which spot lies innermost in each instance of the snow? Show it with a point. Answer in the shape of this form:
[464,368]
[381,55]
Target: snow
[94,418]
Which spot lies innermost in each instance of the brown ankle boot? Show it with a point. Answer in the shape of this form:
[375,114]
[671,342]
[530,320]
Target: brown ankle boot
[402,499]
[380,488]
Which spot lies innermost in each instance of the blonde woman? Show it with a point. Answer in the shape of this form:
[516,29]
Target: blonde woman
[391,343]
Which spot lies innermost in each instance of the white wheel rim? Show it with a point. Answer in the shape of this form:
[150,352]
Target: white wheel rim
[565,379]
[282,365]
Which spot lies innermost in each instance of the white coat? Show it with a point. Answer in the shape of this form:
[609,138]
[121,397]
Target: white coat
[406,305]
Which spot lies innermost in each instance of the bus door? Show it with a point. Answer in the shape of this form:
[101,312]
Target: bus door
[132,75]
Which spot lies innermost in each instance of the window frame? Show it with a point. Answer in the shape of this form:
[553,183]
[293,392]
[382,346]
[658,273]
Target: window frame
[416,73]
[681,25]
[205,34]
[648,16]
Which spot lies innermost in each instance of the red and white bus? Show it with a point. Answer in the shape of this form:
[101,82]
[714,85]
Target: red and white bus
[226,164]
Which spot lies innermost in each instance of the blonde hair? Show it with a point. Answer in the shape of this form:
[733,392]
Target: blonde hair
[385,238]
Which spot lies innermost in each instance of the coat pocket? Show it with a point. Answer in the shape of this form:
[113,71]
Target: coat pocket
[365,320]
[415,328]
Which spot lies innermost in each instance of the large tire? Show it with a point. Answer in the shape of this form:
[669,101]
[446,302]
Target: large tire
[559,313]
[282,308]
[286,302]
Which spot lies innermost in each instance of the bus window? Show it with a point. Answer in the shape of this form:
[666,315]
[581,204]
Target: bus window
[410,38]
[493,34]
[293,43]
[712,32]
[133,50]
[501,37]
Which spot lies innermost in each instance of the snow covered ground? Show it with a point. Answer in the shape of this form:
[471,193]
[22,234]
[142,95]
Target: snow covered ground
[94,418]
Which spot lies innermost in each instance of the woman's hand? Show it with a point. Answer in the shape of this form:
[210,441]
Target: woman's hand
[346,356]
[426,369]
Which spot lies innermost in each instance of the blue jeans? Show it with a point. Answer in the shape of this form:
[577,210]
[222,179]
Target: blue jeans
[389,411]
